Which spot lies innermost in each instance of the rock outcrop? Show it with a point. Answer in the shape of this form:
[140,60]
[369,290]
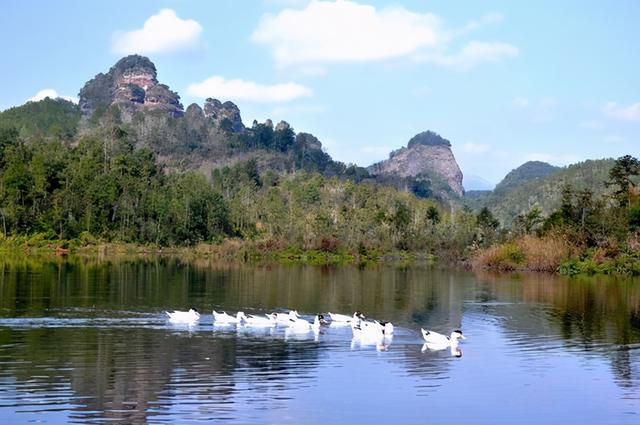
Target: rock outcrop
[428,154]
[282,125]
[132,85]
[225,115]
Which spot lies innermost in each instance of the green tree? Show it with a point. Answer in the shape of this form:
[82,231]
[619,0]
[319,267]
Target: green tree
[621,175]
[433,215]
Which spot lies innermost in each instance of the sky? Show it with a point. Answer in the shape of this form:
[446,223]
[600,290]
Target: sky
[506,82]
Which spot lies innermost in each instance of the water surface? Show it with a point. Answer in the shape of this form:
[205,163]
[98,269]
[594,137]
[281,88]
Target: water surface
[88,342]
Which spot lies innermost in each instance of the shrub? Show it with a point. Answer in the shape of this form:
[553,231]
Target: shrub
[528,253]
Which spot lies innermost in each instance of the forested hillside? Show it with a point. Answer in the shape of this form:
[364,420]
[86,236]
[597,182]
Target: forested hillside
[526,173]
[104,188]
[522,191]
[55,118]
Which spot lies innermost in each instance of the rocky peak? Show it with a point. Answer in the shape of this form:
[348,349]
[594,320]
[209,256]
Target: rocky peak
[194,111]
[428,138]
[282,125]
[426,153]
[219,112]
[160,97]
[308,141]
[132,85]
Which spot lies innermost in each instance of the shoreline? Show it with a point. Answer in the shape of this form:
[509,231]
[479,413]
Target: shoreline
[253,252]
[228,250]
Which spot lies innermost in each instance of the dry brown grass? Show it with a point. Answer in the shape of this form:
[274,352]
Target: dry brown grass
[528,253]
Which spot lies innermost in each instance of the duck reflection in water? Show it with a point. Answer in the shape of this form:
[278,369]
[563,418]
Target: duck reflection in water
[381,343]
[456,351]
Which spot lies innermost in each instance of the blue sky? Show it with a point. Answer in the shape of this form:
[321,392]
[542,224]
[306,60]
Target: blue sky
[505,81]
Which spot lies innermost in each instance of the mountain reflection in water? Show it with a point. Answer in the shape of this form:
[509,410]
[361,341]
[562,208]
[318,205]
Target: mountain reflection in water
[88,342]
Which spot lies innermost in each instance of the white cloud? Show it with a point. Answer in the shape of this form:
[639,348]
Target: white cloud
[520,102]
[346,31]
[286,3]
[164,32]
[487,18]
[474,53]
[475,148]
[238,89]
[628,113]
[51,93]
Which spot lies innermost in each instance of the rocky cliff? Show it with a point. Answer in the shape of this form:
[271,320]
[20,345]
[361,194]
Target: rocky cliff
[213,135]
[225,115]
[132,85]
[426,154]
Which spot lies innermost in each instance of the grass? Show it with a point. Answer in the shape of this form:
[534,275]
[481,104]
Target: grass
[529,253]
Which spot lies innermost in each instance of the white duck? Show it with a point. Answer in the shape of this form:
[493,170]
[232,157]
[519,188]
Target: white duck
[343,318]
[301,325]
[178,316]
[224,318]
[258,321]
[371,330]
[372,327]
[285,318]
[437,341]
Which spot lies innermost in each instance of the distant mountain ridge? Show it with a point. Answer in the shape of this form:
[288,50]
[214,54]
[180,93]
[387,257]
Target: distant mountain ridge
[527,172]
[476,183]
[539,185]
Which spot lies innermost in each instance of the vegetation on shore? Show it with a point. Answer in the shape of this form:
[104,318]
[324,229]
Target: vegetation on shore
[98,192]
[586,234]
[62,195]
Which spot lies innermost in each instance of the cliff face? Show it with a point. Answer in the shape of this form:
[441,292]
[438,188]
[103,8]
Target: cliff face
[225,115]
[213,135]
[132,85]
[426,154]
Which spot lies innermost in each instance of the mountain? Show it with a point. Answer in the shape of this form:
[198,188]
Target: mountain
[56,118]
[214,135]
[129,102]
[426,155]
[527,172]
[132,85]
[520,195]
[476,183]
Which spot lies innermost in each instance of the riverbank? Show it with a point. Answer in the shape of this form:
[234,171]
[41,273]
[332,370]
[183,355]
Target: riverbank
[226,250]
[555,254]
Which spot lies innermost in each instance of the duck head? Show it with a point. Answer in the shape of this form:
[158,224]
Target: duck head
[194,311]
[358,315]
[456,335]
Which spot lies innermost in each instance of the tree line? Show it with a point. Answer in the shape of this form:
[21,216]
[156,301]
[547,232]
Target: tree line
[100,187]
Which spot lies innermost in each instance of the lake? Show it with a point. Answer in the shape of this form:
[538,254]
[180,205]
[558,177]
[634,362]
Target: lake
[88,342]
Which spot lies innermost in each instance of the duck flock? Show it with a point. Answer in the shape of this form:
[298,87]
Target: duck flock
[368,331]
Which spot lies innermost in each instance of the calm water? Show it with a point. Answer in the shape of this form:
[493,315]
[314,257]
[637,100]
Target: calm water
[89,343]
